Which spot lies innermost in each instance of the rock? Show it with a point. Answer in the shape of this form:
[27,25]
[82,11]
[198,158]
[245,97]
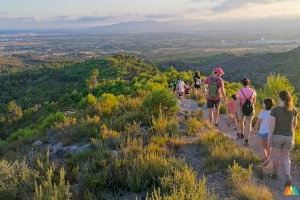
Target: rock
[69,150]
[56,148]
[37,143]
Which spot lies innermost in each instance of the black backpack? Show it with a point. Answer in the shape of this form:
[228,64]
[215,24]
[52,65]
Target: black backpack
[247,107]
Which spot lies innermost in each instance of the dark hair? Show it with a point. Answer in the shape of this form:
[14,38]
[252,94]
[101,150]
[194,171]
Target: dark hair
[233,97]
[197,74]
[288,100]
[269,103]
[246,82]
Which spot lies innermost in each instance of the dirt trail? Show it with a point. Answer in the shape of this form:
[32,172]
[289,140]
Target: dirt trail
[277,186]
[192,155]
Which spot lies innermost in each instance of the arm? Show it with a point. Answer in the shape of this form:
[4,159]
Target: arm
[272,127]
[257,124]
[223,91]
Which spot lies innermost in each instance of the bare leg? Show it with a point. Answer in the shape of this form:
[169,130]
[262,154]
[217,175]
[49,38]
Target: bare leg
[276,159]
[241,125]
[248,126]
[286,163]
[211,115]
[216,115]
[266,149]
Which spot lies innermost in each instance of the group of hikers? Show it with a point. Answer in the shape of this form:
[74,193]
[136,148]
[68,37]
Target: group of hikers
[275,125]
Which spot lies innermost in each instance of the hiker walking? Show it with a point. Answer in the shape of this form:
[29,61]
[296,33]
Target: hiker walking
[180,89]
[246,99]
[232,112]
[199,85]
[283,123]
[262,127]
[214,94]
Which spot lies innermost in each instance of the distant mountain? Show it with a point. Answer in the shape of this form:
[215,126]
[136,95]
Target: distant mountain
[254,66]
[267,24]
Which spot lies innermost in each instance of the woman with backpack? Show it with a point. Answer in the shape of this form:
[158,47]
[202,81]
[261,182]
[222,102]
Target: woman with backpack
[246,99]
[283,123]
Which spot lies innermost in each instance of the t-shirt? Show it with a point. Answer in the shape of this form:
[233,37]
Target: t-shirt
[197,81]
[284,120]
[180,86]
[247,94]
[264,116]
[220,84]
[232,107]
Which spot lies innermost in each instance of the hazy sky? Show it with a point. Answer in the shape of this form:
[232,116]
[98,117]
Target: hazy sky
[16,14]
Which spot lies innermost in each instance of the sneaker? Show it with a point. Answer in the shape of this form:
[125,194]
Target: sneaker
[288,182]
[265,163]
[246,142]
[242,136]
[273,175]
[238,135]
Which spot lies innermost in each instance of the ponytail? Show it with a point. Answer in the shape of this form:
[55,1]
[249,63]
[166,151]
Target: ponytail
[286,97]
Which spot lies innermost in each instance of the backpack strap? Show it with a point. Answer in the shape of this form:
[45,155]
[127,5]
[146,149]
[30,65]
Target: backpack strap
[245,95]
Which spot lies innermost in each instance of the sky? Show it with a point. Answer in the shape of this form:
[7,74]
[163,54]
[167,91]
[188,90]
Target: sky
[28,14]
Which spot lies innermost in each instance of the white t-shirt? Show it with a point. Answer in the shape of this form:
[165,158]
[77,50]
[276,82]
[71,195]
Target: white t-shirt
[264,116]
[180,86]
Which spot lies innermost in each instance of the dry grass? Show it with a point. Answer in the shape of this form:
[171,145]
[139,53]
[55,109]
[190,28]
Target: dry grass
[241,180]
[193,126]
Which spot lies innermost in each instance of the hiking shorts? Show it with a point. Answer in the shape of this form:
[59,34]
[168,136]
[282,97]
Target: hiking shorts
[213,103]
[282,142]
[263,136]
[240,114]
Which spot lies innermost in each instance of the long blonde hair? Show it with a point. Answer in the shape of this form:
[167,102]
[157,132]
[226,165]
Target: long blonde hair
[287,98]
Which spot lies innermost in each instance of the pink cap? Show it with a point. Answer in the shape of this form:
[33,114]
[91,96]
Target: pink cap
[219,71]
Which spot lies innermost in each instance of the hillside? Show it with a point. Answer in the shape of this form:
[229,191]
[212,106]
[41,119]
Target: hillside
[255,66]
[111,129]
[60,88]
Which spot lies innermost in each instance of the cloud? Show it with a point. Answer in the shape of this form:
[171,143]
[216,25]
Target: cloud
[228,5]
[81,19]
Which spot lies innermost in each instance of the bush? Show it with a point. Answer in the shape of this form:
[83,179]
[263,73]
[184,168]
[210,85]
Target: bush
[49,121]
[193,126]
[49,190]
[107,104]
[24,135]
[91,99]
[80,132]
[16,180]
[183,185]
[160,100]
[164,125]
[275,84]
[216,147]
[241,180]
[142,171]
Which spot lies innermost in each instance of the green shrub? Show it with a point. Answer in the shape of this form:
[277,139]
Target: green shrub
[216,147]
[181,184]
[16,180]
[107,104]
[138,173]
[193,125]
[245,188]
[24,135]
[91,99]
[164,125]
[160,100]
[80,132]
[49,190]
[49,121]
[275,84]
